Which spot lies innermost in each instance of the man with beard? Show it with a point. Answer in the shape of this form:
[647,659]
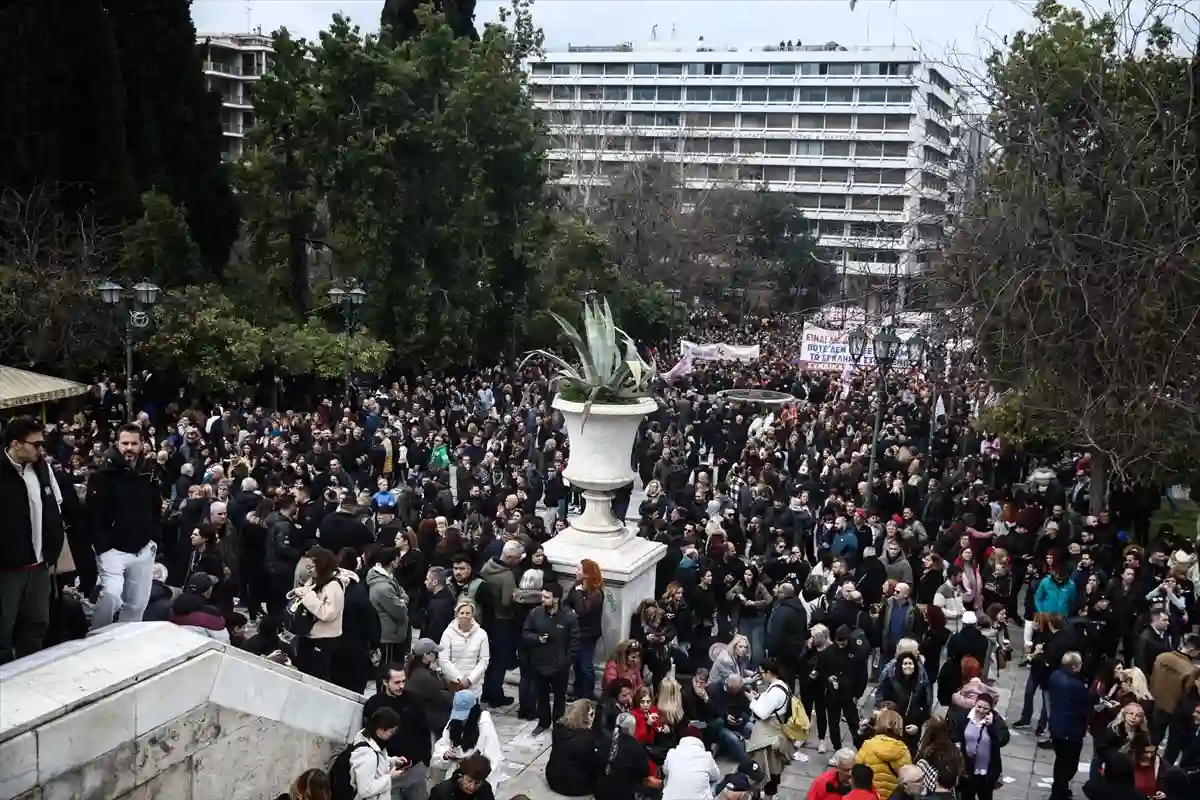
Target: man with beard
[124,509]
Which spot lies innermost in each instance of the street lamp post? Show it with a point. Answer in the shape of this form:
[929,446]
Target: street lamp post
[674,294]
[143,297]
[350,302]
[886,347]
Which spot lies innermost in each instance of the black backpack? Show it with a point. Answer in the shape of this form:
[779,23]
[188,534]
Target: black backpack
[340,785]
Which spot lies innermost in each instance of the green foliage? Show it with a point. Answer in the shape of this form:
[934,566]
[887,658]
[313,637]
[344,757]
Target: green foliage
[159,247]
[1015,421]
[1078,262]
[400,21]
[312,349]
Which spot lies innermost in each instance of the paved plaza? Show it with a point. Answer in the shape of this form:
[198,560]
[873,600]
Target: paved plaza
[1027,769]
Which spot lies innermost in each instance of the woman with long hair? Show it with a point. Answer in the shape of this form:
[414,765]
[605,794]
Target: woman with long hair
[1044,627]
[324,596]
[937,753]
[571,770]
[933,639]
[410,572]
[469,731]
[734,659]
[750,599]
[586,599]
[626,664]
[1129,723]
[655,634]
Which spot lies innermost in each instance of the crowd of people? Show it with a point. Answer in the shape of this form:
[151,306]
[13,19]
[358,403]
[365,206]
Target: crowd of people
[393,544]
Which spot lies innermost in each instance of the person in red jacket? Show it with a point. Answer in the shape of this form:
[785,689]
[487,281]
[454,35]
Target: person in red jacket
[862,783]
[833,784]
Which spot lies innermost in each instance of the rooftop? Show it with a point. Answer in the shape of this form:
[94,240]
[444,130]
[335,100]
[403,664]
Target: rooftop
[709,47]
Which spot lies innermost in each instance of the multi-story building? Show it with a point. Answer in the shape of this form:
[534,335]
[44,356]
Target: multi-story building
[234,61]
[859,137]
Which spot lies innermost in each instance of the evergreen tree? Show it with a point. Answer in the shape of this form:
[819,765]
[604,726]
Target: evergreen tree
[172,120]
[62,129]
[400,23]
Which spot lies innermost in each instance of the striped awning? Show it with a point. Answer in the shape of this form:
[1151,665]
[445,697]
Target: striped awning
[19,388]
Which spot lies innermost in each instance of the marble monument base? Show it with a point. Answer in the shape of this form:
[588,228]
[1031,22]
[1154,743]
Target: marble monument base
[627,562]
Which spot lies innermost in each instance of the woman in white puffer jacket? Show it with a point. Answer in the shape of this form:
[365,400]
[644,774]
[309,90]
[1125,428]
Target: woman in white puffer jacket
[465,652]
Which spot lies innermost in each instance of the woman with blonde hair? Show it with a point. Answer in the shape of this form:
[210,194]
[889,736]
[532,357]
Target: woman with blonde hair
[885,752]
[465,652]
[1129,724]
[734,659]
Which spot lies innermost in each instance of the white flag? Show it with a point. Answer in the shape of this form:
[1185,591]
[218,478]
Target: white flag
[939,410]
[684,367]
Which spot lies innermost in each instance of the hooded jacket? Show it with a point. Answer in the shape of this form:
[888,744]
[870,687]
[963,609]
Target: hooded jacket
[390,603]
[1055,598]
[690,771]
[193,611]
[124,506]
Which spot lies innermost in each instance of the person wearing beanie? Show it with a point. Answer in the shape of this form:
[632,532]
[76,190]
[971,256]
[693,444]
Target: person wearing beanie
[551,636]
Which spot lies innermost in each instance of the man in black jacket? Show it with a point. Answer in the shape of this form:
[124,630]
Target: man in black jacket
[124,508]
[33,506]
[551,633]
[412,740]
[787,627]
[343,528]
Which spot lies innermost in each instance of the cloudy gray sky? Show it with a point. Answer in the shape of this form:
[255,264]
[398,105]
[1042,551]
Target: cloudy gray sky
[944,29]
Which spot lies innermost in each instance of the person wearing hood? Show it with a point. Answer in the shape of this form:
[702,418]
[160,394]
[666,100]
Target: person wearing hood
[470,730]
[124,510]
[689,769]
[390,602]
[194,611]
[465,653]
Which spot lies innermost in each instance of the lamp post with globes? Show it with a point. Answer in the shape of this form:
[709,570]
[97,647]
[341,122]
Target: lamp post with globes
[350,302]
[886,347]
[144,296]
[674,294]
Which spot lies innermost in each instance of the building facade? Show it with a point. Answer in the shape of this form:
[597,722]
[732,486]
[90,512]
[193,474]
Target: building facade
[861,139]
[232,64]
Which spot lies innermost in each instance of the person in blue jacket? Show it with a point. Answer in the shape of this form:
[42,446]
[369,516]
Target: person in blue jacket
[1070,702]
[1055,594]
[845,542]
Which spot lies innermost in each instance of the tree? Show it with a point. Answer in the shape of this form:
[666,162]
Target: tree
[159,245]
[172,121]
[1078,261]
[62,132]
[400,20]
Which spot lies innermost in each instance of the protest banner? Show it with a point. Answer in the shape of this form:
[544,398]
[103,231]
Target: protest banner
[822,348]
[718,352]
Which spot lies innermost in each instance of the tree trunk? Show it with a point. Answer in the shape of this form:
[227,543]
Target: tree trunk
[1099,487]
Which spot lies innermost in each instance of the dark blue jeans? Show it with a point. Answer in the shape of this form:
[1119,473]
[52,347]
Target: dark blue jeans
[585,670]
[502,642]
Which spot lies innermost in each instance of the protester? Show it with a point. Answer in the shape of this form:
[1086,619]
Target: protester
[573,763]
[469,731]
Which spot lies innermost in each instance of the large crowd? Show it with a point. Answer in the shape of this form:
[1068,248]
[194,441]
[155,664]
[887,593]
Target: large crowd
[391,543]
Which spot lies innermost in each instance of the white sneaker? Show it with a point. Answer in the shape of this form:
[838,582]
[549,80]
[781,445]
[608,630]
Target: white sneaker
[821,748]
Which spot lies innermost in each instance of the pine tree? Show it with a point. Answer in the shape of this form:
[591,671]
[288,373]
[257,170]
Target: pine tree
[399,18]
[172,120]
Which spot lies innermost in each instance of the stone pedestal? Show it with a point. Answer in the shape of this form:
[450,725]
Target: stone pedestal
[627,563]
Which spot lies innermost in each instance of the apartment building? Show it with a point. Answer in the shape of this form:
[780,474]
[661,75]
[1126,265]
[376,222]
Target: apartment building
[234,61]
[860,137]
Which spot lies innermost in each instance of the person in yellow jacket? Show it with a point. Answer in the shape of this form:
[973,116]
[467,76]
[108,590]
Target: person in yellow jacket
[885,752]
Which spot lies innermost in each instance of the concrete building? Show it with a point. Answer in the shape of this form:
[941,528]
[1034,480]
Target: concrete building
[233,63]
[860,137]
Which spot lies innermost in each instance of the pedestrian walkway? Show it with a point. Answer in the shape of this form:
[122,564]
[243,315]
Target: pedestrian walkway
[1027,768]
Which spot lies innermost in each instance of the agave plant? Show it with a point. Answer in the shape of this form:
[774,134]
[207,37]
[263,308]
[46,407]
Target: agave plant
[610,371]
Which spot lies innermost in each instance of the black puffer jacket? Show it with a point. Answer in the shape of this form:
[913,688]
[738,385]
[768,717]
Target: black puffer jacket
[561,629]
[572,768]
[283,553]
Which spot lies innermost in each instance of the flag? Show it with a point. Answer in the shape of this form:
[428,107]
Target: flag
[939,410]
[684,367]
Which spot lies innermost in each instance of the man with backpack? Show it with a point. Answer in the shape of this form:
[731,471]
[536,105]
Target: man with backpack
[412,740]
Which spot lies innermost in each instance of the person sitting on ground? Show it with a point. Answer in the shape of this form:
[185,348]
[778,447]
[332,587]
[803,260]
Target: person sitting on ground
[469,731]
[469,781]
[833,783]
[624,762]
[571,770]
[689,770]
[194,610]
[885,752]
[912,783]
[862,783]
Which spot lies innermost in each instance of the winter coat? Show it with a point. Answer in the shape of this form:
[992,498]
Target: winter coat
[885,756]
[499,583]
[283,545]
[1069,706]
[488,744]
[193,611]
[465,655]
[557,653]
[370,770]
[390,603]
[997,739]
[689,771]
[1053,598]
[123,505]
[439,614]
[589,609]
[433,695]
[327,605]
[573,763]
[624,764]
[787,629]
[612,672]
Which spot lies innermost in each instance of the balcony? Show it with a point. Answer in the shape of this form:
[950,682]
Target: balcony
[234,128]
[224,69]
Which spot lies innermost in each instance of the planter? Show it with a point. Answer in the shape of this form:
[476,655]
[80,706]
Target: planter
[600,458]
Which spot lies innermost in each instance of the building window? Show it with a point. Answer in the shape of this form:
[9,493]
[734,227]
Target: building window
[755,70]
[777,147]
[811,96]
[868,150]
[829,228]
[833,202]
[698,146]
[901,96]
[541,94]
[616,69]
[837,149]
[669,94]
[864,202]
[899,122]
[870,122]
[643,94]
[697,119]
[810,122]
[667,119]
[777,174]
[670,69]
[779,121]
[893,177]
[872,95]
[841,70]
[642,119]
[782,94]
[754,121]
[750,146]
[724,120]
[543,69]
[591,69]
[808,147]
[837,122]
[720,147]
[895,149]
[835,175]
[783,69]
[699,94]
[808,174]
[724,94]
[844,96]
[591,93]
[645,69]
[754,94]
[562,93]
[616,92]
[564,69]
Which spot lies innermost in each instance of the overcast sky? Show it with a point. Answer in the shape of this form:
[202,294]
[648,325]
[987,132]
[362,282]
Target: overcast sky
[941,28]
